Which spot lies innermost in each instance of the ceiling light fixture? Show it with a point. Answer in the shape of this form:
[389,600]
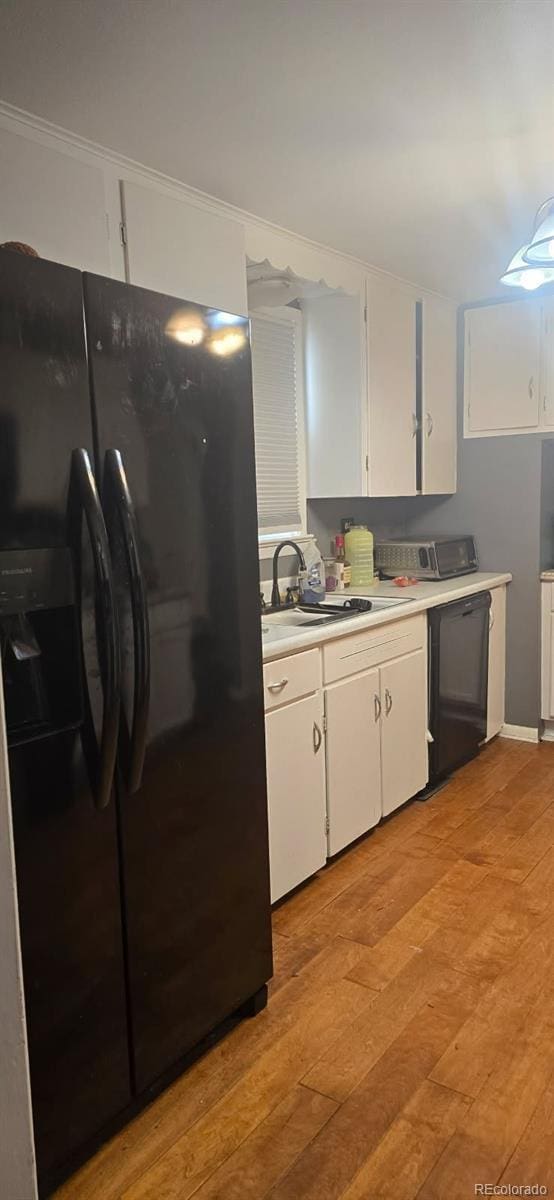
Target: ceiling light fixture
[533,265]
[518,273]
[540,251]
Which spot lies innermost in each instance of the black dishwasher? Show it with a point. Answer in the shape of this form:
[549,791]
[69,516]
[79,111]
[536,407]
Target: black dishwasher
[458,682]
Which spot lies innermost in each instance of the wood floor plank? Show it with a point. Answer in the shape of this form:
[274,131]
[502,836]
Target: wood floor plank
[341,914]
[268,1153]
[393,898]
[209,1142]
[408,1042]
[533,1159]
[332,1160]
[442,902]
[341,1068]
[364,859]
[411,1146]
[290,956]
[128,1155]
[529,849]
[499,1019]
[422,845]
[480,1150]
[384,961]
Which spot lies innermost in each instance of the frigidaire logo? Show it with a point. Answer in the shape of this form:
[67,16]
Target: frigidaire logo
[16,571]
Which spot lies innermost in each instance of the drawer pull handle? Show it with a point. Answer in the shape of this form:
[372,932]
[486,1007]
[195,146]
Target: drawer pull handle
[317,737]
[377,706]
[277,687]
[430,425]
[388,702]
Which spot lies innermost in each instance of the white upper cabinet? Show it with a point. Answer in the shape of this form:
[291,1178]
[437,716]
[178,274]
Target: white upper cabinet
[438,417]
[334,356]
[502,361]
[184,250]
[391,356]
[53,202]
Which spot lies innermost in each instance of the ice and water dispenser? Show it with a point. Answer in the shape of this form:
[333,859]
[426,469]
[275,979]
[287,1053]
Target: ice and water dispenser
[40,645]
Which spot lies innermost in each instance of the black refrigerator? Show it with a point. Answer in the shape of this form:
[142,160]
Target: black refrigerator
[131,654]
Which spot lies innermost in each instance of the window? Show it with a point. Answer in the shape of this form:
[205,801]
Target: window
[277,371]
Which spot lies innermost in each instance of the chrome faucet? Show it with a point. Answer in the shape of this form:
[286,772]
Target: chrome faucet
[275,597]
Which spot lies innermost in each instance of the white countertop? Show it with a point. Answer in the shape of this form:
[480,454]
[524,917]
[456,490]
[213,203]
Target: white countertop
[420,597]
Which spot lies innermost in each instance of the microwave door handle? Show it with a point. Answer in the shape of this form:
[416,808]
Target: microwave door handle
[116,489]
[84,500]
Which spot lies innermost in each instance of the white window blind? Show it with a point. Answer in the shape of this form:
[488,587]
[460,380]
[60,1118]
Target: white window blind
[277,386]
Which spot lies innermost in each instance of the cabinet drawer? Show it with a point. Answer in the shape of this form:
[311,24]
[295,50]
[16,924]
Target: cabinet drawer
[290,678]
[349,655]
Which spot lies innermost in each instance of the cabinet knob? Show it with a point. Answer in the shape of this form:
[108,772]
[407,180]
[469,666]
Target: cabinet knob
[317,737]
[430,425]
[388,702]
[377,706]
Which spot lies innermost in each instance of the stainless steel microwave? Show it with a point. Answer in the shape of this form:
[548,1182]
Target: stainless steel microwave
[427,558]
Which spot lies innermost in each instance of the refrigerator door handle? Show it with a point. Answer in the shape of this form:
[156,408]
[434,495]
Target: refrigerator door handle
[89,504]
[116,489]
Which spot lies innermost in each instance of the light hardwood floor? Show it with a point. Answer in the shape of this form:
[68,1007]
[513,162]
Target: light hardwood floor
[408,1046]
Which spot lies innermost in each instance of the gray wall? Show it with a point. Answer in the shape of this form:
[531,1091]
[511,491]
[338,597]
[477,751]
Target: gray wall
[505,497]
[499,500]
[385,518]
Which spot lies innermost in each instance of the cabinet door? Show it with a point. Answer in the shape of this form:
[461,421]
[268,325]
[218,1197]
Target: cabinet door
[296,793]
[497,662]
[502,367]
[182,250]
[54,203]
[404,754]
[438,376]
[391,331]
[352,710]
[336,432]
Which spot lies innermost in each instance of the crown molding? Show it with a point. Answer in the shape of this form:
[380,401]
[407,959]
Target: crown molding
[46,131]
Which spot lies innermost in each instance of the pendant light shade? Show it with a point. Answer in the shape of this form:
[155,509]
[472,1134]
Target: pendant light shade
[540,250]
[519,273]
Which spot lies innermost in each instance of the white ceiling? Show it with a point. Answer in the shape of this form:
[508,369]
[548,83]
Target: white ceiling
[416,134]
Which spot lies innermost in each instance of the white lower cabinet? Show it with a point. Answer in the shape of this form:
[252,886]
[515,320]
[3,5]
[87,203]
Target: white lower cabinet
[376,751]
[352,758]
[296,792]
[497,662]
[346,742]
[404,754]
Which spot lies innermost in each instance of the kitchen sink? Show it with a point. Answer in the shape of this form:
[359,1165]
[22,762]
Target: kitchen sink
[296,618]
[283,622]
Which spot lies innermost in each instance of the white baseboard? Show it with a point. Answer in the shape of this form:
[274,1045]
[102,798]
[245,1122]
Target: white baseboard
[520,733]
[547,734]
